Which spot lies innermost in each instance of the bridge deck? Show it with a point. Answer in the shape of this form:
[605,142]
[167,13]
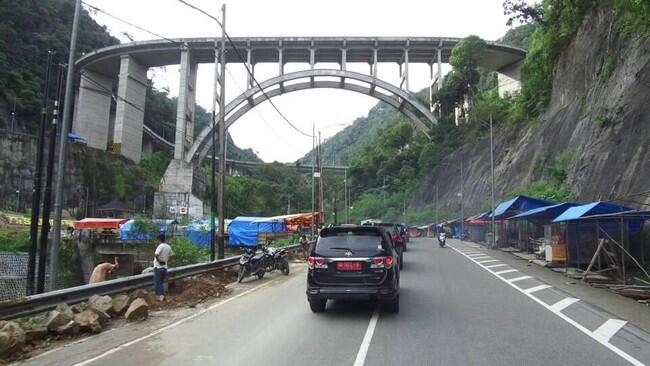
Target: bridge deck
[297,49]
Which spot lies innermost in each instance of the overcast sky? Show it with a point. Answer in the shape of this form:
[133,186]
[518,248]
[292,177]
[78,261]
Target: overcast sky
[263,129]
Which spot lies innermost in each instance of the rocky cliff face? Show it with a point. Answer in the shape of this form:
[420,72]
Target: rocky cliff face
[87,169]
[601,118]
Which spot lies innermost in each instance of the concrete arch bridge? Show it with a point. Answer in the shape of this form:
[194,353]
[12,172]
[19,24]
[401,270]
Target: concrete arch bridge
[121,70]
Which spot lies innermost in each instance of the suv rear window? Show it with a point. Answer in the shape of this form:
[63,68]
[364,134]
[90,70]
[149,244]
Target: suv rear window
[355,241]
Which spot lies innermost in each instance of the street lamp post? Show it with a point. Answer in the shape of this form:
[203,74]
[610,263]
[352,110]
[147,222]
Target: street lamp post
[18,200]
[493,243]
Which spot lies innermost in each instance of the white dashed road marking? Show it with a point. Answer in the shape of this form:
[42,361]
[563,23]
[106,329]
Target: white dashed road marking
[536,288]
[506,271]
[496,265]
[487,261]
[609,328]
[564,303]
[602,335]
[512,280]
[365,343]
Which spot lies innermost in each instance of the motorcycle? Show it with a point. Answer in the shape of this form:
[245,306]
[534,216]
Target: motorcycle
[251,264]
[276,259]
[442,239]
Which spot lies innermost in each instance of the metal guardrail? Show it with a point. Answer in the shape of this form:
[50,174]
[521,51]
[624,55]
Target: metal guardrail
[29,305]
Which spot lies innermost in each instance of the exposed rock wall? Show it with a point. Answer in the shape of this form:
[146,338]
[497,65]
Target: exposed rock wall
[603,122]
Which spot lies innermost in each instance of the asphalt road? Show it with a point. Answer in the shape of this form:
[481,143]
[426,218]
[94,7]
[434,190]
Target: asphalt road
[452,312]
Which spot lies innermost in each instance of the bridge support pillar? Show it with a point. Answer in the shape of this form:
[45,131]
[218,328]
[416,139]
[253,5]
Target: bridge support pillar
[129,111]
[176,189]
[185,106]
[93,108]
[509,79]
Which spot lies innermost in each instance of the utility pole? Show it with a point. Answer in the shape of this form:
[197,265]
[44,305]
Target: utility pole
[321,204]
[47,197]
[383,189]
[288,204]
[222,135]
[494,233]
[437,205]
[345,196]
[462,198]
[13,113]
[313,178]
[63,147]
[36,188]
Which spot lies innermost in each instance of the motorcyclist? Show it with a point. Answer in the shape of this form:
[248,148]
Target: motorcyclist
[442,238]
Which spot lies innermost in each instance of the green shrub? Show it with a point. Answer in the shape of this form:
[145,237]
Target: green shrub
[12,240]
[607,68]
[603,119]
[187,253]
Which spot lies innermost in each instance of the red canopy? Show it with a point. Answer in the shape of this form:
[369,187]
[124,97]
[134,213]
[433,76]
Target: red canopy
[93,223]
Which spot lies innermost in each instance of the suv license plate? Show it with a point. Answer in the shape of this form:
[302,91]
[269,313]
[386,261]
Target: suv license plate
[348,266]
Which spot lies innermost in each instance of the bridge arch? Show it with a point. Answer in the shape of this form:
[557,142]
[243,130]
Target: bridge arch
[398,98]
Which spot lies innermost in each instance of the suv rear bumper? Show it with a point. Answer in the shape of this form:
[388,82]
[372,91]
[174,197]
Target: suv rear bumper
[352,293]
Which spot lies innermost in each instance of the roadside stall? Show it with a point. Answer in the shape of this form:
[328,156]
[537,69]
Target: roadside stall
[508,233]
[601,237]
[540,231]
[245,231]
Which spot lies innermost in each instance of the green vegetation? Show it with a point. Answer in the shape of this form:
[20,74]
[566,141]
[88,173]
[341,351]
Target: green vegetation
[14,240]
[603,119]
[27,31]
[187,253]
[153,166]
[553,185]
[607,68]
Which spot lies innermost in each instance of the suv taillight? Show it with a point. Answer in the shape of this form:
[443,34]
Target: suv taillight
[382,262]
[316,262]
[396,237]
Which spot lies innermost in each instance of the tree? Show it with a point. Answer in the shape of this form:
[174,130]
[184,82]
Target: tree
[522,12]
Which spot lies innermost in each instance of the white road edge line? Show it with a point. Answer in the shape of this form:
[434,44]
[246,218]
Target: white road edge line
[169,326]
[495,265]
[365,343]
[506,271]
[530,290]
[609,328]
[564,303]
[577,325]
[519,279]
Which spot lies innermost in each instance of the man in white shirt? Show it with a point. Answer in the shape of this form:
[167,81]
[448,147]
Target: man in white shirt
[161,256]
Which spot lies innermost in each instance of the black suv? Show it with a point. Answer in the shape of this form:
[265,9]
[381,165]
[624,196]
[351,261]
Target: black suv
[353,263]
[394,234]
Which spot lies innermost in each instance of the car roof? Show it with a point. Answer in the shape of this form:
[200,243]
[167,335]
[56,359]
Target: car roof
[350,227]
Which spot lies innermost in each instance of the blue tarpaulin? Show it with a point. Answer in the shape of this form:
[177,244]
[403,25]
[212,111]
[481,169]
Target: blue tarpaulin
[244,230]
[590,209]
[518,205]
[128,231]
[198,232]
[547,212]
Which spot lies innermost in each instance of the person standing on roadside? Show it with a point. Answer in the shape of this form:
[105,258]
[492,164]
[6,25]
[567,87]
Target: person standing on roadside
[304,244]
[161,257]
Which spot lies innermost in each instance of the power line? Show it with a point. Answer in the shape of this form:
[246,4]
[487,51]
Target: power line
[129,23]
[241,58]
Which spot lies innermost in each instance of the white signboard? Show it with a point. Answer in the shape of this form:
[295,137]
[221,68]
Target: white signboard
[173,209]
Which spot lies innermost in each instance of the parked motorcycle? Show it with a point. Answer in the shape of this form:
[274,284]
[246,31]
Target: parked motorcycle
[276,259]
[442,240]
[251,264]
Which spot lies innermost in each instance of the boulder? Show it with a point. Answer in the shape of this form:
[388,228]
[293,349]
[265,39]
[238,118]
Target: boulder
[71,328]
[138,310]
[78,308]
[65,309]
[120,303]
[12,338]
[142,294]
[35,334]
[56,320]
[88,320]
[102,303]
[103,317]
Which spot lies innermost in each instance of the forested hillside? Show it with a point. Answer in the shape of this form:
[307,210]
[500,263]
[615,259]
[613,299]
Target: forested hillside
[391,170]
